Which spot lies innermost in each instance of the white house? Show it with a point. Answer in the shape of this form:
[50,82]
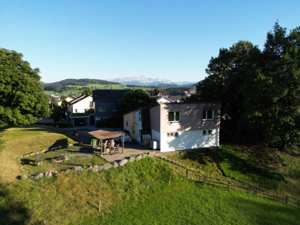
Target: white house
[182,126]
[82,110]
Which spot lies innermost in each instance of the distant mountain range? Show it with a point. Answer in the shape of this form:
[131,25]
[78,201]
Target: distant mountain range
[144,81]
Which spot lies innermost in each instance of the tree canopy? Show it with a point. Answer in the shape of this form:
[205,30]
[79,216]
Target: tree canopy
[259,90]
[134,99]
[87,91]
[22,101]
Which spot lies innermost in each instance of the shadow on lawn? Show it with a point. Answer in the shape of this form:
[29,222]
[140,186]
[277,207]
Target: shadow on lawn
[12,212]
[238,168]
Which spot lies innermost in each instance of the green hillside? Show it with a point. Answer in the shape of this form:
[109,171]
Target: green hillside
[149,191]
[76,86]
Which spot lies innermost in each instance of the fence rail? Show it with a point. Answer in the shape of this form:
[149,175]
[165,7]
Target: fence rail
[249,187]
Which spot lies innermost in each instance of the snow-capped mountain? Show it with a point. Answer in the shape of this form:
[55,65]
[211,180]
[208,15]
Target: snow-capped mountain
[143,80]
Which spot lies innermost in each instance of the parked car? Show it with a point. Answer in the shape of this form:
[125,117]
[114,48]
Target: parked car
[80,123]
[127,138]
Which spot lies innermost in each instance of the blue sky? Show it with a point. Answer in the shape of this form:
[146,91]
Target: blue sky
[158,39]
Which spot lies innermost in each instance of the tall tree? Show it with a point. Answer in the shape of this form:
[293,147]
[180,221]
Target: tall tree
[274,106]
[259,90]
[22,101]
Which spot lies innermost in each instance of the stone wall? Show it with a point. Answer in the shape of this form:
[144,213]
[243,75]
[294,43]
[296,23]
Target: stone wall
[95,168]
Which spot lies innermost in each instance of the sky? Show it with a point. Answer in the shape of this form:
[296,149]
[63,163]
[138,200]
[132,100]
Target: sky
[167,39]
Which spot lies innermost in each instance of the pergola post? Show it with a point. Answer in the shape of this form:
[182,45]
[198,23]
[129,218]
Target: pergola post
[101,147]
[123,145]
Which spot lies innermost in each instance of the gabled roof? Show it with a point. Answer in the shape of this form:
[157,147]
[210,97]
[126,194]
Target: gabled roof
[165,97]
[78,99]
[108,95]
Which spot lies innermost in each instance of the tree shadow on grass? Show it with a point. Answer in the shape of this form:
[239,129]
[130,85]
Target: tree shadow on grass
[12,212]
[239,169]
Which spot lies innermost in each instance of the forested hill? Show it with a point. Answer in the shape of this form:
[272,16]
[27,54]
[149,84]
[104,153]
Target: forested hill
[61,85]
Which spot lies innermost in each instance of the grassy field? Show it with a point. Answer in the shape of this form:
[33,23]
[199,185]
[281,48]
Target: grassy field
[139,192]
[76,89]
[266,168]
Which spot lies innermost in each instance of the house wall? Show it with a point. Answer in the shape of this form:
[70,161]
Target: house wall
[130,125]
[155,118]
[188,132]
[109,109]
[191,139]
[191,117]
[82,105]
[138,123]
[155,135]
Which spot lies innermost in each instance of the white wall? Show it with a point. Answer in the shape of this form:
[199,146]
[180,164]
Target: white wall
[82,105]
[188,140]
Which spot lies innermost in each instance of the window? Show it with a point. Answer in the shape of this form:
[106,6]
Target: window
[205,132]
[75,110]
[101,109]
[174,116]
[91,104]
[208,114]
[172,134]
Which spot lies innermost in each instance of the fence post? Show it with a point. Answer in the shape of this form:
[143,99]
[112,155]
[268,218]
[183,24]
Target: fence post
[99,205]
[286,199]
[187,173]
[228,184]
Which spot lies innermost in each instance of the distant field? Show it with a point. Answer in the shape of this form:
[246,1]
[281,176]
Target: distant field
[76,89]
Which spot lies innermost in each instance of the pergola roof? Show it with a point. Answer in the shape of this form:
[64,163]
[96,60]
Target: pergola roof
[104,134]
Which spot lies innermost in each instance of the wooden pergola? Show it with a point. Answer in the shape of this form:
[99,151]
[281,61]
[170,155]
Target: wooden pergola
[104,134]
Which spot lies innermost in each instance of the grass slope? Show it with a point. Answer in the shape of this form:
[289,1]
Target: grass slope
[269,169]
[19,141]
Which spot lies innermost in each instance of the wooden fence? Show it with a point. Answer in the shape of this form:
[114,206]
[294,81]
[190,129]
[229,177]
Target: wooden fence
[249,187]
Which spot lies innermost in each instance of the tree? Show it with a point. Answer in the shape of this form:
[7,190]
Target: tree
[274,106]
[259,90]
[88,91]
[22,101]
[134,99]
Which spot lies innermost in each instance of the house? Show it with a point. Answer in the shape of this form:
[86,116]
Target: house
[82,110]
[181,126]
[137,123]
[68,99]
[164,99]
[106,102]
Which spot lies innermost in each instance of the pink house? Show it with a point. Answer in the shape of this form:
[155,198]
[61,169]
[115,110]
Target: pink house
[182,126]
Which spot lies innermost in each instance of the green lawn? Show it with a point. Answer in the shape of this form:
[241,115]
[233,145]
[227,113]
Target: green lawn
[254,166]
[137,193]
[184,202]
